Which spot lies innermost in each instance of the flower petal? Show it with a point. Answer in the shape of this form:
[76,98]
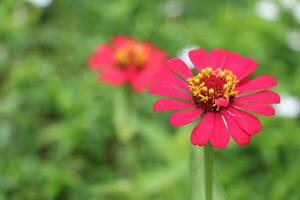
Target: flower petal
[232,62]
[169,91]
[246,67]
[244,81]
[246,121]
[218,58]
[238,134]
[120,40]
[170,104]
[259,97]
[220,136]
[179,67]
[258,108]
[156,55]
[114,76]
[258,83]
[167,77]
[203,131]
[103,57]
[199,58]
[222,102]
[185,117]
[141,80]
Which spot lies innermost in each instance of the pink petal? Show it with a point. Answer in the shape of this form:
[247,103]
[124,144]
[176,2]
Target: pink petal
[114,76]
[156,55]
[120,40]
[246,67]
[238,134]
[200,58]
[167,77]
[258,83]
[259,97]
[179,67]
[258,108]
[103,57]
[246,121]
[218,58]
[244,81]
[220,136]
[185,117]
[232,62]
[141,80]
[203,131]
[222,102]
[166,90]
[170,104]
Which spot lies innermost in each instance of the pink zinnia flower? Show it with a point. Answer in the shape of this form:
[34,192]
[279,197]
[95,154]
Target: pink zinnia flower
[126,60]
[220,92]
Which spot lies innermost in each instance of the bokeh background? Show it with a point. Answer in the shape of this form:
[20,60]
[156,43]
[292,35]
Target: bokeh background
[65,136]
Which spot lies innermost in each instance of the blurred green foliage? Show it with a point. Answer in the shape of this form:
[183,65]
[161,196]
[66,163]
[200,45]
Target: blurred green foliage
[62,134]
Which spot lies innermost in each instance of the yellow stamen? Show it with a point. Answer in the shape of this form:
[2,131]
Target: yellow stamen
[133,54]
[211,91]
[209,85]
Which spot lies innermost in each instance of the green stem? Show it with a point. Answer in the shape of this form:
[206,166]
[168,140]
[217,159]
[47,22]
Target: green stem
[193,172]
[208,168]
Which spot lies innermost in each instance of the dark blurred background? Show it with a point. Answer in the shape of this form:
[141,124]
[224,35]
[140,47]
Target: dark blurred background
[65,136]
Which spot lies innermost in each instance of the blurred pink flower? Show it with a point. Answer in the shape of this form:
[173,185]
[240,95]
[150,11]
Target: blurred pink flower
[126,60]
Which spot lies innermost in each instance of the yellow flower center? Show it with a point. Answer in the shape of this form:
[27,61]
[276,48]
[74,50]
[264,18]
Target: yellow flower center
[133,54]
[210,85]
